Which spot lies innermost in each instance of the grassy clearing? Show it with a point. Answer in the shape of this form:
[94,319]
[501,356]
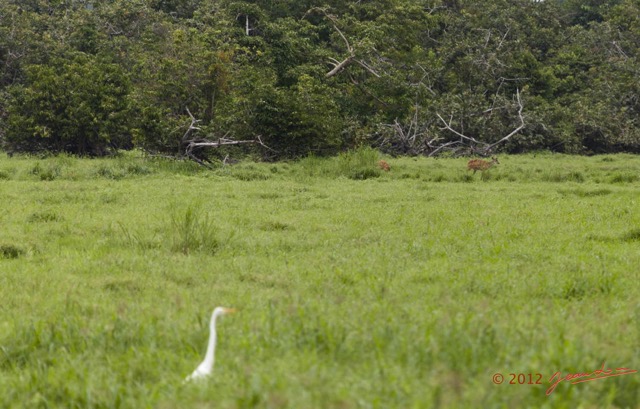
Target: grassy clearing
[357,288]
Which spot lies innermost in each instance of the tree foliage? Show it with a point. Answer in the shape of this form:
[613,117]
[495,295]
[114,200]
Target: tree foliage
[307,76]
[75,104]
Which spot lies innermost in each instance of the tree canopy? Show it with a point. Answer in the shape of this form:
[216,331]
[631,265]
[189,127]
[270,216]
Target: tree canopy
[407,76]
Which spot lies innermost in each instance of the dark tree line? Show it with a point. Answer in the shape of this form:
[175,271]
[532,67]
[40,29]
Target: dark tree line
[407,76]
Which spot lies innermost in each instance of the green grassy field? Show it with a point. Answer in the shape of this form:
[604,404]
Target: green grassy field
[356,288]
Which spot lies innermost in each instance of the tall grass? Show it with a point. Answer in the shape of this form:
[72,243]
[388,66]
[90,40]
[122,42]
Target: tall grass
[10,251]
[193,231]
[358,164]
[187,230]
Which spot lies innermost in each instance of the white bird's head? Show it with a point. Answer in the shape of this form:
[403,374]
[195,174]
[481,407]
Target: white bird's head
[218,311]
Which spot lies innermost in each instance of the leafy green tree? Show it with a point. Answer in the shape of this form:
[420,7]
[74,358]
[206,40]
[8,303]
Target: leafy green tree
[299,120]
[76,104]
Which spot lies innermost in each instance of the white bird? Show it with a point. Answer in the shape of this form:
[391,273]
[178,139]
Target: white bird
[206,367]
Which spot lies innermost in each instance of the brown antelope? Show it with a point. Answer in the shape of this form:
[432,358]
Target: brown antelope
[384,165]
[481,165]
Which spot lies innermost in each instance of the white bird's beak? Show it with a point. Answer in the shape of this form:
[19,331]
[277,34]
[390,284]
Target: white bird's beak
[230,310]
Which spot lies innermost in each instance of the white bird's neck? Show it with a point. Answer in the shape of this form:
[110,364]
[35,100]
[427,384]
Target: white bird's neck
[211,347]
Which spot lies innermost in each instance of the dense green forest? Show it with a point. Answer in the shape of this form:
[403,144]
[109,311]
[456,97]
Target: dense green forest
[406,76]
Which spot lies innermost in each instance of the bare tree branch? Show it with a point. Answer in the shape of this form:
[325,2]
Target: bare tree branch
[515,131]
[368,68]
[339,66]
[503,38]
[620,50]
[192,126]
[335,26]
[485,147]
[444,146]
[406,139]
[448,127]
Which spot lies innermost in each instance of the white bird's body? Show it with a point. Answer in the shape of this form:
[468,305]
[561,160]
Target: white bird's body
[206,367]
[202,371]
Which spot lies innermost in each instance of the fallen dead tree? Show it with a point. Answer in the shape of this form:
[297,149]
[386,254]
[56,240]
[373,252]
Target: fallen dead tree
[416,137]
[191,146]
[405,139]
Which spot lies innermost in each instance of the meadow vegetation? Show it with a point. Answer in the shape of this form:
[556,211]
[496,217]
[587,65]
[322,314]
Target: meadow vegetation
[357,288]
